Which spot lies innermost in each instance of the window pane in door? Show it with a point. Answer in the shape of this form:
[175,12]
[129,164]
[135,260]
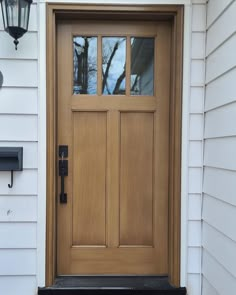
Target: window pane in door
[142,66]
[85,65]
[113,65]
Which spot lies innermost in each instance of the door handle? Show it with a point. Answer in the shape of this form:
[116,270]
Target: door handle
[63,171]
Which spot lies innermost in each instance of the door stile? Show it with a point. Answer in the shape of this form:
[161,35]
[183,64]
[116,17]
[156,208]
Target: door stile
[113,179]
[64,138]
[162,138]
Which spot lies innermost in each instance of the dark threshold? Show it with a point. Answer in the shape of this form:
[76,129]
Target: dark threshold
[111,285]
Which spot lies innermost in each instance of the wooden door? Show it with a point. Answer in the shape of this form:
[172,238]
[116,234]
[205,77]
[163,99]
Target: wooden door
[115,220]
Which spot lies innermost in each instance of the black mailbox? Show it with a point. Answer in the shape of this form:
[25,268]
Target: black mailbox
[11,159]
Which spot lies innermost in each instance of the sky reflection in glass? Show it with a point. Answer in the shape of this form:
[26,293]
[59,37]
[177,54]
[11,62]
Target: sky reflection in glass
[113,65]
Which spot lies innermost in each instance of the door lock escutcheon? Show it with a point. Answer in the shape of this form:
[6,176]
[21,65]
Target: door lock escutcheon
[63,171]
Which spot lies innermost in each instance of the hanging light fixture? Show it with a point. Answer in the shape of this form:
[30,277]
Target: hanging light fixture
[15,15]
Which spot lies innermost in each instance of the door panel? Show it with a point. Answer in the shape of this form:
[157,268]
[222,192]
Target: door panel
[115,220]
[136,179]
[89,178]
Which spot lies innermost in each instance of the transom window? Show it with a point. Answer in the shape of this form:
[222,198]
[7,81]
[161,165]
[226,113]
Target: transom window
[115,65]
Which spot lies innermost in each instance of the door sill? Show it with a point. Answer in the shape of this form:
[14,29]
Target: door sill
[128,285]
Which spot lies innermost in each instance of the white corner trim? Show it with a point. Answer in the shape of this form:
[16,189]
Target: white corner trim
[185,143]
[41,202]
[41,225]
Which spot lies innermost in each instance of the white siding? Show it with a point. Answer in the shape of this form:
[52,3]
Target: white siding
[19,100]
[12,285]
[27,47]
[19,73]
[17,262]
[18,235]
[196,122]
[208,289]
[221,91]
[18,208]
[217,275]
[219,203]
[19,127]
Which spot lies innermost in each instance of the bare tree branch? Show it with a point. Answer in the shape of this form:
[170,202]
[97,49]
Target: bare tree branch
[118,83]
[106,85]
[105,76]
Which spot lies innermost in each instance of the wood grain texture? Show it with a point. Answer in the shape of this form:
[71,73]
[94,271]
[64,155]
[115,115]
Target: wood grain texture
[175,151]
[110,158]
[136,179]
[89,178]
[113,164]
[51,148]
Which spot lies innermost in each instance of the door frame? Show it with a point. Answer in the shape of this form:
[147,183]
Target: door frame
[172,13]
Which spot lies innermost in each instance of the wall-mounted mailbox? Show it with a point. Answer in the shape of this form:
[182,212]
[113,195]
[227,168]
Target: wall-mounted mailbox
[11,159]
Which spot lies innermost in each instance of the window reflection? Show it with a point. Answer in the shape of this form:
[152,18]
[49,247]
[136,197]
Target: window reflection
[113,65]
[85,65]
[142,66]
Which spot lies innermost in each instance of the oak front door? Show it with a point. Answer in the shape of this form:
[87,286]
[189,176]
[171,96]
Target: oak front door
[113,88]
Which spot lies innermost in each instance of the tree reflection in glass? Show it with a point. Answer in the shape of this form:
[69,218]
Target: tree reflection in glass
[113,65]
[85,65]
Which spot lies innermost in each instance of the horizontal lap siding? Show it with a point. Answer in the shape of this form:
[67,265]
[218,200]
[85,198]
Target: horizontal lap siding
[14,285]
[223,156]
[223,28]
[18,208]
[219,184]
[17,235]
[17,262]
[19,100]
[221,60]
[18,127]
[27,47]
[207,288]
[19,73]
[221,91]
[214,241]
[222,280]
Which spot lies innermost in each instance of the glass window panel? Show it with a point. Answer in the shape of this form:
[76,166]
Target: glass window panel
[113,65]
[142,66]
[85,65]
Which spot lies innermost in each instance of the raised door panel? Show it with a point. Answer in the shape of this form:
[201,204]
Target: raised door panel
[136,179]
[89,178]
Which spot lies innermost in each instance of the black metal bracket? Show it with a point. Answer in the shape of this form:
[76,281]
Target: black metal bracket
[11,185]
[11,159]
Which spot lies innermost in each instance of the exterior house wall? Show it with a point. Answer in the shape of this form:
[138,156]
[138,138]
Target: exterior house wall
[219,202]
[146,82]
[21,221]
[19,127]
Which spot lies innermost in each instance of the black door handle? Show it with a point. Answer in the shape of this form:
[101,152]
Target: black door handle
[63,171]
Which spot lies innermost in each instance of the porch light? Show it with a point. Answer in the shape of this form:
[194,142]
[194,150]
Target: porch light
[15,15]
